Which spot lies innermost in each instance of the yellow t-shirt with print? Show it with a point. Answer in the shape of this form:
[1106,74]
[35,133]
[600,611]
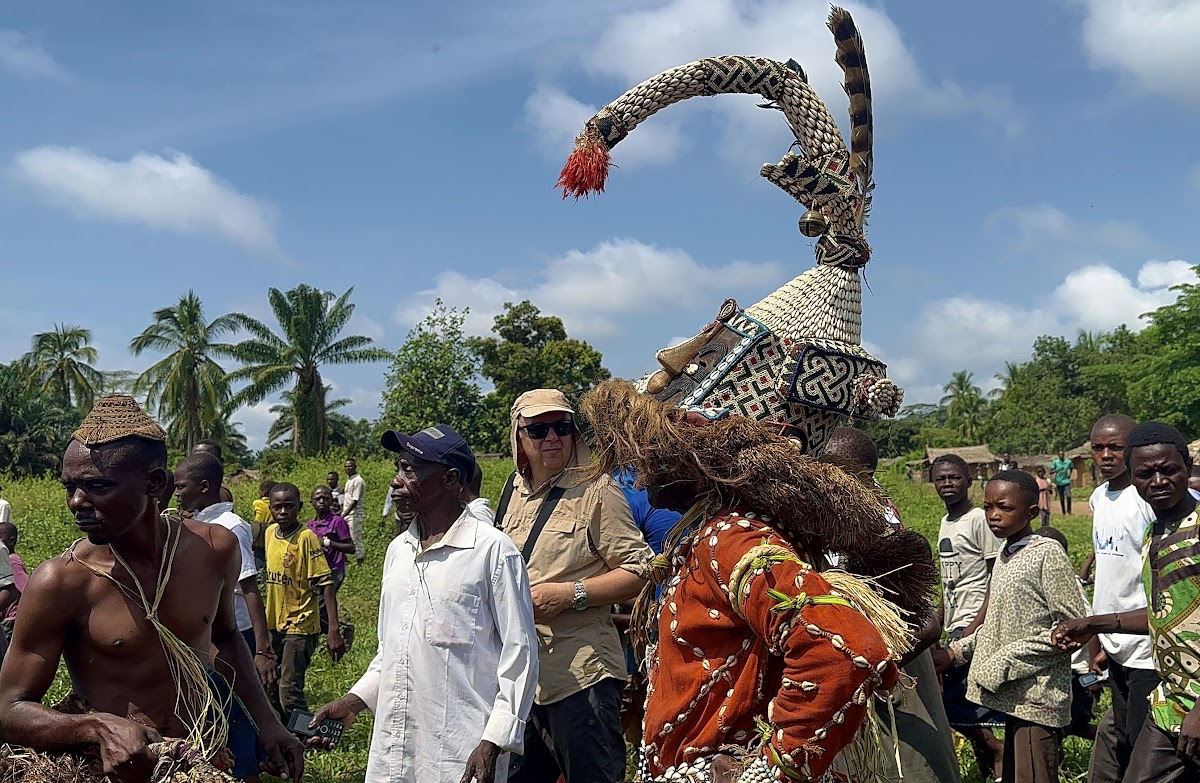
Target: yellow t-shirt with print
[262,511]
[296,569]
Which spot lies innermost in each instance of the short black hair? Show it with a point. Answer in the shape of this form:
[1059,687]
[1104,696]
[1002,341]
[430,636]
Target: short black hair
[954,460]
[142,452]
[8,532]
[203,466]
[286,486]
[264,487]
[1154,433]
[854,446]
[476,482]
[1027,483]
[1117,420]
[212,444]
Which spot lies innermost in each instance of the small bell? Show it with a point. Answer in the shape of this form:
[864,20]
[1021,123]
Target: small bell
[813,224]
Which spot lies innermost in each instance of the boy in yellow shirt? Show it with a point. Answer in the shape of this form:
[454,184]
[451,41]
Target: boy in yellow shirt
[296,569]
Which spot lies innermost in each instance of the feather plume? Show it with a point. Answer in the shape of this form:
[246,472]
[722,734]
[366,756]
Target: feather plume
[852,59]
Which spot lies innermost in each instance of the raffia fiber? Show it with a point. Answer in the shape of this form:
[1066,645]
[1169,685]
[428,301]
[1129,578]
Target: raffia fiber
[741,462]
[114,417]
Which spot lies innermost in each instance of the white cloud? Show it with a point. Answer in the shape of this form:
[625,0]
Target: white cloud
[1046,231]
[557,118]
[21,56]
[641,43]
[604,292]
[173,194]
[1150,44]
[974,332]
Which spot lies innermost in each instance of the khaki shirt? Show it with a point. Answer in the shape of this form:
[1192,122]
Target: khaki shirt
[590,533]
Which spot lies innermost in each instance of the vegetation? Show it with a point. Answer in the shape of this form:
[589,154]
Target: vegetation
[59,364]
[40,510]
[310,321]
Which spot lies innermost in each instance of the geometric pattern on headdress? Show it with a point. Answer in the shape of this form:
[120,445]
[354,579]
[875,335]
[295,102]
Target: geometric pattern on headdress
[794,358]
[114,417]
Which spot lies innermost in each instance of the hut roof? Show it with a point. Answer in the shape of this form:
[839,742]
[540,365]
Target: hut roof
[972,455]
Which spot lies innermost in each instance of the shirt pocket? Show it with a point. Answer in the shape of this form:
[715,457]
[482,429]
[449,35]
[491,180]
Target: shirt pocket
[563,546]
[451,617]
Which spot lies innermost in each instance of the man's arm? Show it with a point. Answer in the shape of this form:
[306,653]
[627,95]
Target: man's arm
[333,638]
[285,752]
[1073,634]
[518,665]
[51,602]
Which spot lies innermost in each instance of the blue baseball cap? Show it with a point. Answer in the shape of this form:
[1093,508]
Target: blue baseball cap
[435,444]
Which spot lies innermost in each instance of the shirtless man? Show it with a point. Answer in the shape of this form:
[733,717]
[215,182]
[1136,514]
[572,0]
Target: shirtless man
[72,609]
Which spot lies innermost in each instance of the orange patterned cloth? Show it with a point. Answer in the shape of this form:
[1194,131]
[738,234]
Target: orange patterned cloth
[750,633]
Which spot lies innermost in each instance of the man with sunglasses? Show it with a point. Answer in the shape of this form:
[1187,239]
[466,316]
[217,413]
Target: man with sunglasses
[584,554]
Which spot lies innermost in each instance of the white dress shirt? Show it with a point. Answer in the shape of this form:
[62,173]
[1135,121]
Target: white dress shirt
[222,514]
[457,661]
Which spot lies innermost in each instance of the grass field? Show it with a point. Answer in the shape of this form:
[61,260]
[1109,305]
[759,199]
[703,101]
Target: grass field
[39,508]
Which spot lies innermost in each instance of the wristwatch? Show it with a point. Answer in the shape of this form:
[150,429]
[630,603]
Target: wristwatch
[580,601]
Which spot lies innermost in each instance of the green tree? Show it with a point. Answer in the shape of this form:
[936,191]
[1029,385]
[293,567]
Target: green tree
[965,406]
[1164,378]
[533,351]
[287,424]
[310,322]
[34,428]
[187,388]
[433,378]
[60,366]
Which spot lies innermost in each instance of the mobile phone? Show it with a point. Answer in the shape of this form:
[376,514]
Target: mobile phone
[1092,678]
[329,728]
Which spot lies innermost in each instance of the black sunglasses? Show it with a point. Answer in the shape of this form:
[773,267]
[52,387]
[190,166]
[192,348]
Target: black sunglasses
[538,430]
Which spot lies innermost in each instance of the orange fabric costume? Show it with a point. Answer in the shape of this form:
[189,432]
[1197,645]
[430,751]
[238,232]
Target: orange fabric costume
[748,632]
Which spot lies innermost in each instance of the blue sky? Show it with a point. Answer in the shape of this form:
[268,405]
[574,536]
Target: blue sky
[1035,165]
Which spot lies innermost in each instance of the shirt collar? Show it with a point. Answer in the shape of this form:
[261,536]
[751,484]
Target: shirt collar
[461,535]
[210,513]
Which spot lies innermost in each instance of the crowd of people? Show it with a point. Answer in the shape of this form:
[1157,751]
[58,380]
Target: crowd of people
[711,586]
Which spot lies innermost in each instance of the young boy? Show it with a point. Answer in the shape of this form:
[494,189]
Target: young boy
[334,534]
[296,567]
[966,551]
[1014,667]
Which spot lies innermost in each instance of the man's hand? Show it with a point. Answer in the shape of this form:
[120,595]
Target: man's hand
[1070,635]
[1099,663]
[345,709]
[723,767]
[335,643]
[267,674]
[1189,737]
[941,659]
[285,752]
[125,748]
[481,766]
[550,599]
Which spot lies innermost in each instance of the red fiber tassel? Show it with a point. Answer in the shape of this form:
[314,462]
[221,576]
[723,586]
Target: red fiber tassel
[587,168]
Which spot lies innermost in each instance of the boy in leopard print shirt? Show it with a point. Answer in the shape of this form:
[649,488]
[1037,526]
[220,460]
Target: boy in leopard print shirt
[1015,669]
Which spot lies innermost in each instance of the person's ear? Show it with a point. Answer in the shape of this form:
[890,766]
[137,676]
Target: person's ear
[451,478]
[156,482]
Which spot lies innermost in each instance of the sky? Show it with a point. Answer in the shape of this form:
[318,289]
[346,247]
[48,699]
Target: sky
[1035,166]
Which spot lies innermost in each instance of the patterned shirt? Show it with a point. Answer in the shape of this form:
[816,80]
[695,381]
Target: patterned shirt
[296,568]
[755,642]
[1171,572]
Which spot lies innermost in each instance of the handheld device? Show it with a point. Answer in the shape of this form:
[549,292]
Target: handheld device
[329,728]
[1091,678]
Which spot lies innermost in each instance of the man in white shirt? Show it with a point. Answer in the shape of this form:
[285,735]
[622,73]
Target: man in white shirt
[1120,518]
[5,510]
[453,680]
[352,507]
[198,490]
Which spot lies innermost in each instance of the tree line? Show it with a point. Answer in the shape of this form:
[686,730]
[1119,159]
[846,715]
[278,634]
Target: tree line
[194,391]
[1050,401]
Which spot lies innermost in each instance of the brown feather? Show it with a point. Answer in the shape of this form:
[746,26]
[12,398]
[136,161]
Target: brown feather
[852,59]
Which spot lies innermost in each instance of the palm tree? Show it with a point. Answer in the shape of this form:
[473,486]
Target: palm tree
[1007,379]
[286,425]
[187,388]
[310,321]
[60,366]
[960,390]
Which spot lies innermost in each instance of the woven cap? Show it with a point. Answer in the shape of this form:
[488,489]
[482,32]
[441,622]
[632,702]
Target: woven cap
[115,417]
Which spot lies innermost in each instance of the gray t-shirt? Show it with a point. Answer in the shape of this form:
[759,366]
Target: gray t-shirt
[964,547]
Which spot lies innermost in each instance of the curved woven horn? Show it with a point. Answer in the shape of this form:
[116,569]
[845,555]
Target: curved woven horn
[824,176]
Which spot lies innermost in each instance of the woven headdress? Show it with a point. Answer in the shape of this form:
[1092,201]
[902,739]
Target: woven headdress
[793,358]
[115,417]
